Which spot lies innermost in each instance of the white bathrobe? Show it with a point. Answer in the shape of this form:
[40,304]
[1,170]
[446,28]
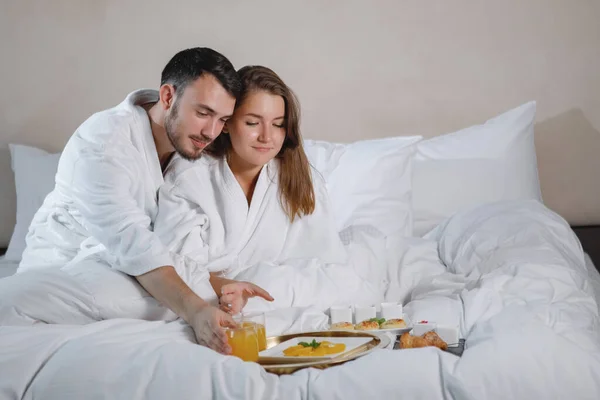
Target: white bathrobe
[94,231]
[105,196]
[204,217]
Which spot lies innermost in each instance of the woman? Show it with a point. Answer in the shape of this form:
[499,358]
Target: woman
[253,210]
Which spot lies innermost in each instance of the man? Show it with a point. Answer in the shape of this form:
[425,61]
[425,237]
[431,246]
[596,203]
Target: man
[95,229]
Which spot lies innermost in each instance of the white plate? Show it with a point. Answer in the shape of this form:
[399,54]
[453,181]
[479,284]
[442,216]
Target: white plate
[275,354]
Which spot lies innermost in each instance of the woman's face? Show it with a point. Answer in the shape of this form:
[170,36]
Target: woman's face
[257,128]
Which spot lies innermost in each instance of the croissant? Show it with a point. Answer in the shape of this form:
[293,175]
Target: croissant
[407,341]
[434,339]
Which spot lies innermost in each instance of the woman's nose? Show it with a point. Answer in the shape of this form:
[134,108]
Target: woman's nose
[265,134]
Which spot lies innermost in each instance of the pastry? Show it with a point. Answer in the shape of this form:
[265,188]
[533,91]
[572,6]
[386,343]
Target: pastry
[407,341]
[342,326]
[368,325]
[393,324]
[435,340]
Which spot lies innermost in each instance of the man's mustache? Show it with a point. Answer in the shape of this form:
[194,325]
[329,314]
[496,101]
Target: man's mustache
[202,139]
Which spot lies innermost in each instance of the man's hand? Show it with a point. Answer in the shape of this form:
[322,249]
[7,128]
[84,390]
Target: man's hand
[208,323]
[235,295]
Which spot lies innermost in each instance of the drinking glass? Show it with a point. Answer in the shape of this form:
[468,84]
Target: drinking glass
[257,320]
[243,340]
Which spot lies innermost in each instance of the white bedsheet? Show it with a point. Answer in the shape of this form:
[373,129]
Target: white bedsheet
[515,281]
[7,267]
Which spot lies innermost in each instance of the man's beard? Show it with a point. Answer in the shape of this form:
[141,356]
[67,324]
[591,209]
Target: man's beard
[171,124]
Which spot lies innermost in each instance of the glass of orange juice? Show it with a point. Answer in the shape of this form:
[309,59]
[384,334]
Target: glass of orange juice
[243,340]
[257,320]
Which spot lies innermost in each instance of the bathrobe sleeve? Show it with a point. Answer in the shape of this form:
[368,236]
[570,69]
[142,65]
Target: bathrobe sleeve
[181,224]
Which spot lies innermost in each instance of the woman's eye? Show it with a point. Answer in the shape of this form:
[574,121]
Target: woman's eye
[278,126]
[251,123]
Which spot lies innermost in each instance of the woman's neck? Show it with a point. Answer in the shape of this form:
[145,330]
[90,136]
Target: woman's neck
[246,174]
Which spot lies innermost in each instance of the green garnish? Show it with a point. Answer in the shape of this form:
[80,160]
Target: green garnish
[380,321]
[314,344]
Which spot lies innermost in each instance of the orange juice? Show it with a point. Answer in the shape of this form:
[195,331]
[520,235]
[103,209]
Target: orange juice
[261,333]
[262,337]
[243,342]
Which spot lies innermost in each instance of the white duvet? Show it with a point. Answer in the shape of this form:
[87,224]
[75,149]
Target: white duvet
[511,275]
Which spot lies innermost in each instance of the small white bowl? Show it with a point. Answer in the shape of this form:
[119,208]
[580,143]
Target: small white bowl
[422,327]
[340,314]
[391,310]
[363,313]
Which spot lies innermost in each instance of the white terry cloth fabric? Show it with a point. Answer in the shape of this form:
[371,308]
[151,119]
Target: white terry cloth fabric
[95,229]
[205,218]
[88,292]
[104,200]
[515,285]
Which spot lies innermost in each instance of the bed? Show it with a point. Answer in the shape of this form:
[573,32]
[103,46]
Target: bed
[489,258]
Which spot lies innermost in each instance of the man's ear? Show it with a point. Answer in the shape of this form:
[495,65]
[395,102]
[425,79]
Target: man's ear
[225,129]
[166,95]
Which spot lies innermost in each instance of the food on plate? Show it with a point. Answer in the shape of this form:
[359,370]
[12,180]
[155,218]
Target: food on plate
[433,338]
[393,324]
[408,341]
[314,348]
[368,325]
[342,326]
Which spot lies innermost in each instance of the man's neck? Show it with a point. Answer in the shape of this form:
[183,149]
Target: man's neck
[164,148]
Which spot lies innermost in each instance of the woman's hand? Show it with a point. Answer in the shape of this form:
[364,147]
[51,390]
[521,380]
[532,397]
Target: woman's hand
[235,295]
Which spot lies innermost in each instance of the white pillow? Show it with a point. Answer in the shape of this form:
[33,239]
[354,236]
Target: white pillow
[34,171]
[484,163]
[369,182]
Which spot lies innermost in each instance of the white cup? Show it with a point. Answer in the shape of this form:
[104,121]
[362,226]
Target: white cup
[363,313]
[422,327]
[391,310]
[340,314]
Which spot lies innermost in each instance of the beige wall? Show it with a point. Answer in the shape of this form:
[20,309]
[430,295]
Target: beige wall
[361,68]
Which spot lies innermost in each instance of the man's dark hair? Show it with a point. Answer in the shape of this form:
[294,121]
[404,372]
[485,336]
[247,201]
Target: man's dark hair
[188,65]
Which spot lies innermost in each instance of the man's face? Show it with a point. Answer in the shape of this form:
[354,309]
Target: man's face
[197,115]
